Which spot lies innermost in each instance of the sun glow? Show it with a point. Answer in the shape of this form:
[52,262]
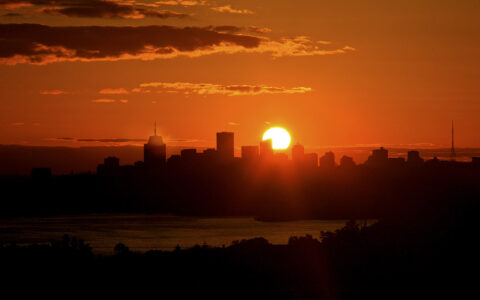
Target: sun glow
[279,136]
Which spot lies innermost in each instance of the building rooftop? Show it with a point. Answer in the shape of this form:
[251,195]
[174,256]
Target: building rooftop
[155,140]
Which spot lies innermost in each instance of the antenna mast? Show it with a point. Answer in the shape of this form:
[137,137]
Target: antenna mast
[155,129]
[452,151]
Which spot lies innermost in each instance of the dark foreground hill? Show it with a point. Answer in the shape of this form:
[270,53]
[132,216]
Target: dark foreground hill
[412,259]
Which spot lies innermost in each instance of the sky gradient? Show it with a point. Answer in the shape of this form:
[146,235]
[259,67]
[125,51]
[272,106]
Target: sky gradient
[333,73]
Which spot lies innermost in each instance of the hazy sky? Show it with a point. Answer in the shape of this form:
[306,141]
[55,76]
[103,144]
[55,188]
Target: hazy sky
[332,72]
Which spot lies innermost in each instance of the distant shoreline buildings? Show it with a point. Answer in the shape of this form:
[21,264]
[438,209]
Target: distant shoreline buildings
[261,182]
[155,157]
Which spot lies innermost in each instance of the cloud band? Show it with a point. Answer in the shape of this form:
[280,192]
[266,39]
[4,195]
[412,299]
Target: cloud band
[40,44]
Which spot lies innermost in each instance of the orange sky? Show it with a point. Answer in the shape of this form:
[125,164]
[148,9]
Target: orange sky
[334,73]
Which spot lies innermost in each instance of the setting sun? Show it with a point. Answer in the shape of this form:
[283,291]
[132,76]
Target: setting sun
[279,136]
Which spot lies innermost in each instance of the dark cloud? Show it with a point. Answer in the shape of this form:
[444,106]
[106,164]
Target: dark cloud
[34,43]
[65,139]
[181,140]
[111,140]
[12,15]
[227,29]
[14,4]
[40,44]
[233,29]
[93,9]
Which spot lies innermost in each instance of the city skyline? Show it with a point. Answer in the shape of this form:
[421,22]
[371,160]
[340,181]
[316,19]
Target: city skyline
[226,147]
[250,149]
[155,155]
[20,159]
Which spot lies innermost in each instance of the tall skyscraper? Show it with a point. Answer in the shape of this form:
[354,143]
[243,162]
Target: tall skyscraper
[298,154]
[225,145]
[266,150]
[155,152]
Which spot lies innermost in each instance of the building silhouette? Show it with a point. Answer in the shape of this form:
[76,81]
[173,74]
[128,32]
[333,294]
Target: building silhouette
[266,150]
[209,154]
[111,162]
[378,158]
[188,155]
[310,159]
[298,154]
[396,162]
[250,153]
[327,161]
[476,161]
[433,163]
[414,159]
[281,156]
[225,146]
[174,160]
[300,158]
[110,166]
[155,152]
[346,162]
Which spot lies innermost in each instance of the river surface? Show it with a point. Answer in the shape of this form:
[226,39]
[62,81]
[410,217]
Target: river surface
[159,232]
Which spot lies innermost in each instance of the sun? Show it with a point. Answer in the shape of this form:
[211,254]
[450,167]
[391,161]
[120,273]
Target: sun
[279,136]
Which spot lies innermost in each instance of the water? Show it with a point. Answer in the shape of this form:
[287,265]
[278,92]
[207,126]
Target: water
[160,232]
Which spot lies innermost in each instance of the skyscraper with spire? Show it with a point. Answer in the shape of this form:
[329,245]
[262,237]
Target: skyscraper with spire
[155,151]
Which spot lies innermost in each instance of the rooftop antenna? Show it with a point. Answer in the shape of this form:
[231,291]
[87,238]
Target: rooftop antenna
[452,151]
[155,130]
